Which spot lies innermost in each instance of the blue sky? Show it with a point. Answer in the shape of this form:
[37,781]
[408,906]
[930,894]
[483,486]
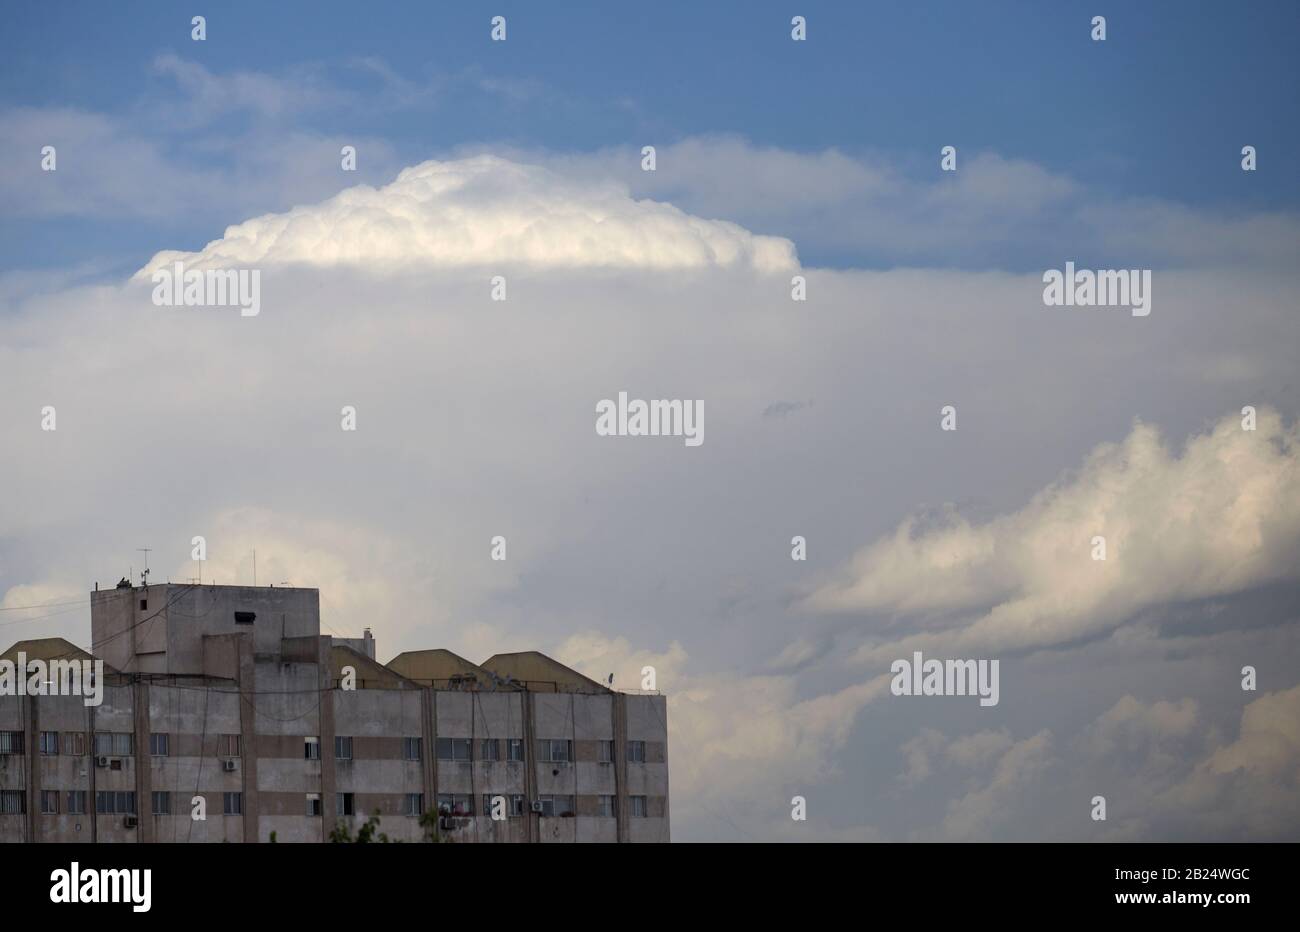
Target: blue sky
[1159,110]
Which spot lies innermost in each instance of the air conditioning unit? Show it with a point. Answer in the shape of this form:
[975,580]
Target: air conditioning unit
[130,821]
[535,807]
[101,761]
[229,766]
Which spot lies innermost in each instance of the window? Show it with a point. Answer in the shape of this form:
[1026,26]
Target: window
[514,804]
[232,803]
[342,747]
[414,804]
[120,802]
[638,808]
[228,746]
[49,742]
[457,804]
[114,744]
[311,748]
[13,802]
[454,748]
[313,804]
[411,748]
[162,802]
[144,605]
[50,802]
[245,618]
[605,752]
[159,744]
[343,804]
[557,805]
[557,749]
[11,742]
[74,743]
[76,802]
[491,749]
[515,749]
[605,806]
[636,752]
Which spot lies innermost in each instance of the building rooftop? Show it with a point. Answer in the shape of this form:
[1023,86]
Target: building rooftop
[538,672]
[46,649]
[143,625]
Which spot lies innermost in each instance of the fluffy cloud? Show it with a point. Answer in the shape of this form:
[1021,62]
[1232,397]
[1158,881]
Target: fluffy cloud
[735,739]
[1269,741]
[1164,771]
[1222,516]
[484,210]
[1233,788]
[993,211]
[1020,766]
[1131,724]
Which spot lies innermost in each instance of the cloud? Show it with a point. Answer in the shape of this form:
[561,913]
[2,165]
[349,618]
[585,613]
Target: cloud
[103,169]
[1269,741]
[1226,789]
[111,169]
[485,210]
[475,418]
[734,738]
[1131,724]
[1028,579]
[873,209]
[1019,767]
[209,94]
[1165,772]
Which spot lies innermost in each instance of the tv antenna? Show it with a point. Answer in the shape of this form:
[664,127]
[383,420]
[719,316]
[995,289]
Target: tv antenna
[144,576]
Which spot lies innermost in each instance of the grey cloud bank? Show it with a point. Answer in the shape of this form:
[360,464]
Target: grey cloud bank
[475,419]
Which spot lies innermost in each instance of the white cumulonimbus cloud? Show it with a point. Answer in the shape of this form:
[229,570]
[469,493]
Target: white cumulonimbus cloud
[1222,517]
[487,210]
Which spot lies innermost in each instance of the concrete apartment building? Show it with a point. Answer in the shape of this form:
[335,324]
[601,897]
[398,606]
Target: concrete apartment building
[231,694]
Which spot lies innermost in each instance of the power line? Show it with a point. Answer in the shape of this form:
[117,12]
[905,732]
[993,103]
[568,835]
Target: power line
[23,608]
[26,621]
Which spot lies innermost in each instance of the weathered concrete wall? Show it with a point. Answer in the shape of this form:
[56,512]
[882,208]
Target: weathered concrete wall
[166,636]
[267,682]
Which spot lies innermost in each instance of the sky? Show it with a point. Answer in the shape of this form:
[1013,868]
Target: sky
[774,159]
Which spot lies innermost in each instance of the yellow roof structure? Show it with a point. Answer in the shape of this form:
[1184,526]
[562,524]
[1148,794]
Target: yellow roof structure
[441,668]
[370,674]
[537,672]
